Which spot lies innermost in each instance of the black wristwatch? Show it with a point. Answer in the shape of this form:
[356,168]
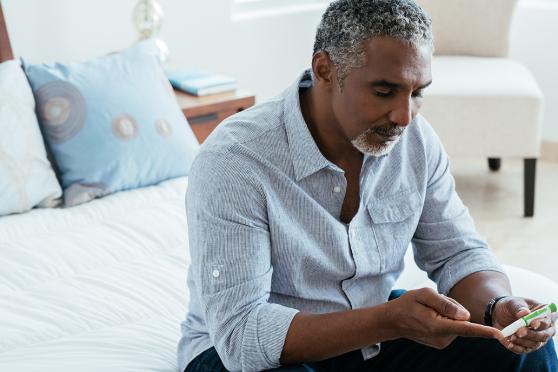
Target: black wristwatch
[489,309]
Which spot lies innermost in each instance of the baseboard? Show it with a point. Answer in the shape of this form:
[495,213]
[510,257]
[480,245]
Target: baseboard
[549,151]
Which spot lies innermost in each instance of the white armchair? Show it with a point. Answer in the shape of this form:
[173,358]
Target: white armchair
[481,103]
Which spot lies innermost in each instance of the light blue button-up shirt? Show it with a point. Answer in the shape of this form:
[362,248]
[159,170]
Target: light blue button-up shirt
[266,240]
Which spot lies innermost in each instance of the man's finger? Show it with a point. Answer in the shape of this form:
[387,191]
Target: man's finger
[537,336]
[527,343]
[531,345]
[444,305]
[537,307]
[541,324]
[515,348]
[454,301]
[521,312]
[468,329]
[522,332]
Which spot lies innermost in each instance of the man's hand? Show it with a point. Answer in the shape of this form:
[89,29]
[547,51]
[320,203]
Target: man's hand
[526,339]
[429,318]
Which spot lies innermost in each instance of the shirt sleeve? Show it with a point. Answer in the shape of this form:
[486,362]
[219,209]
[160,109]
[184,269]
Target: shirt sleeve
[231,259]
[446,244]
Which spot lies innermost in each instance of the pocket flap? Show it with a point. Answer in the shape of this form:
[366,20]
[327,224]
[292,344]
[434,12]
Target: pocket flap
[394,208]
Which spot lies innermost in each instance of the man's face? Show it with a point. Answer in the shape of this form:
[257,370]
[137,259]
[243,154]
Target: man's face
[379,100]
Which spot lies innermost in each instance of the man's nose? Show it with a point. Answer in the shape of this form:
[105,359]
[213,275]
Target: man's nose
[402,113]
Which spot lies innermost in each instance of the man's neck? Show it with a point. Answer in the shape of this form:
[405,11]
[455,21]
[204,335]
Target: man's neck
[325,130]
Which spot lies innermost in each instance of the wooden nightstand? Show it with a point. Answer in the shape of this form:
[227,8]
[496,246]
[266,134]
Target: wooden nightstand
[205,113]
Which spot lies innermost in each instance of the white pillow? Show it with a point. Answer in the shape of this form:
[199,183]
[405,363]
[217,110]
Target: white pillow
[26,176]
[470,27]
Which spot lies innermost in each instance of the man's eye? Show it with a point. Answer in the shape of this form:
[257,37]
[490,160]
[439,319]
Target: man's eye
[381,93]
[417,94]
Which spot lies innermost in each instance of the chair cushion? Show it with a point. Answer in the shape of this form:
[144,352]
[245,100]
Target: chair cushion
[475,103]
[471,27]
[26,176]
[112,123]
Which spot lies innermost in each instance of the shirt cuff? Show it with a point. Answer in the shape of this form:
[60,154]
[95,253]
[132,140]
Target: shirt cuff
[459,268]
[264,336]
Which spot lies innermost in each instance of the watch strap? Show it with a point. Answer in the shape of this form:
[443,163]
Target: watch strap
[488,310]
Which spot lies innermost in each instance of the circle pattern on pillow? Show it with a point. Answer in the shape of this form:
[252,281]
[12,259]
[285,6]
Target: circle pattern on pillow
[125,127]
[62,109]
[163,128]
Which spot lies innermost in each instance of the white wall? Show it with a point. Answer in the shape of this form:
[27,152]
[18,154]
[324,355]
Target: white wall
[265,54]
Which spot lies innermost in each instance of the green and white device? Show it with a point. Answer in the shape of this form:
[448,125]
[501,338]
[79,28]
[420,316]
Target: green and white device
[527,319]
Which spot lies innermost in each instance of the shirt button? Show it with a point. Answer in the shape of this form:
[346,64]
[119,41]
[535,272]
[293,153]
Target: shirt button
[215,273]
[337,189]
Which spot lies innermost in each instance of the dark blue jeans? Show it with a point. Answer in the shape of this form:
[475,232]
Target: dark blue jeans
[402,355]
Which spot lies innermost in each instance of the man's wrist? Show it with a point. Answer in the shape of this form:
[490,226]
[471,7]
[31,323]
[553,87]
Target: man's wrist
[391,324]
[489,310]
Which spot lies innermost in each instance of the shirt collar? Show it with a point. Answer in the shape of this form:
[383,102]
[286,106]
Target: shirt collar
[305,154]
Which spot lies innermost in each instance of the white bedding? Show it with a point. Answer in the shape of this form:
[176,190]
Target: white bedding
[97,287]
[102,286]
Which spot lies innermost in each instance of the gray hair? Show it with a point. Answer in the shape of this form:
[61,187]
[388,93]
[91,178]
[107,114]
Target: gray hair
[346,24]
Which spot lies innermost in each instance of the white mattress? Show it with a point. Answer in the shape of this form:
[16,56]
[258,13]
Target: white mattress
[102,286]
[97,287]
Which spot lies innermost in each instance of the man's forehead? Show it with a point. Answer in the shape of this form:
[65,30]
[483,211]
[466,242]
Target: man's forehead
[395,61]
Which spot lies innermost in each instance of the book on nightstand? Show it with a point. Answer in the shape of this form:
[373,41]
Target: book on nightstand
[201,82]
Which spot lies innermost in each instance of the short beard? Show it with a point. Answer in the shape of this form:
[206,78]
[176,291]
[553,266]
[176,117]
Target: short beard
[365,144]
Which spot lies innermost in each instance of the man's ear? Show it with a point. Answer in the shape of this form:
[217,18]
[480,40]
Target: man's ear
[324,70]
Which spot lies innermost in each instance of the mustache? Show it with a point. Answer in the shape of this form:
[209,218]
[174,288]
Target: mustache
[388,130]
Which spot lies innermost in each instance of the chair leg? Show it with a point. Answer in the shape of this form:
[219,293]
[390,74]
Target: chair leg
[494,164]
[529,174]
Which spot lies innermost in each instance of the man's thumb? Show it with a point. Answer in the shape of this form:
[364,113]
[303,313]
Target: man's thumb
[449,307]
[518,308]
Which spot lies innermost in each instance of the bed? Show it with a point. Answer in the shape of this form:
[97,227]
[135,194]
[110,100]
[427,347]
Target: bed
[97,287]
[102,286]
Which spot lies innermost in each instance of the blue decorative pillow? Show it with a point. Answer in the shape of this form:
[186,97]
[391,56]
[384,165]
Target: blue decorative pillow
[112,123]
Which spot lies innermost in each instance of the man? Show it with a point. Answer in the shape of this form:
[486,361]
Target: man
[300,211]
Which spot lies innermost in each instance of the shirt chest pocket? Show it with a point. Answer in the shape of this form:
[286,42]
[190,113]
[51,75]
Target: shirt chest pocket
[394,220]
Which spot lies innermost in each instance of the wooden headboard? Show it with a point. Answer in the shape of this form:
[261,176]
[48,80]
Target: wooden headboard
[5,47]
